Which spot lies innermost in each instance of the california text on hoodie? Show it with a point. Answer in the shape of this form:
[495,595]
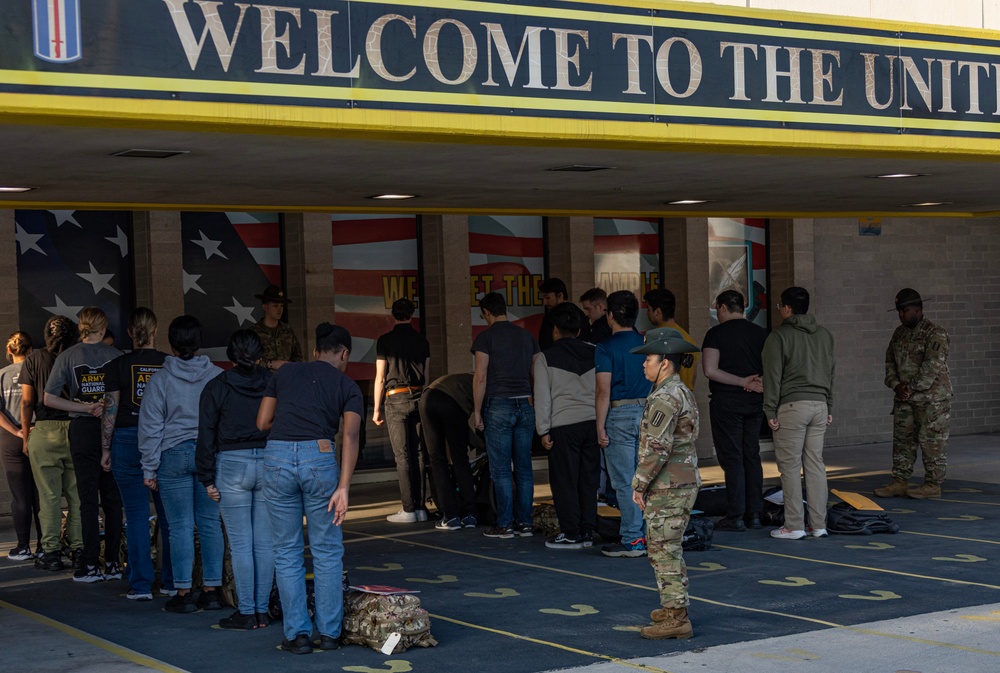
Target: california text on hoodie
[798,364]
[228,421]
[169,411]
[565,385]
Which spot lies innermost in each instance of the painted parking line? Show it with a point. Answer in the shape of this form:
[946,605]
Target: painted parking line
[101,643]
[951,537]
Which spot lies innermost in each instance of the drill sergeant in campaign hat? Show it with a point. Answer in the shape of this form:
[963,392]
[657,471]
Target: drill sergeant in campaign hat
[280,342]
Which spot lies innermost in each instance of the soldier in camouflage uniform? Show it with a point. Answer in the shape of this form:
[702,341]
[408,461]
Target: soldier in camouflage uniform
[916,369]
[280,343]
[666,480]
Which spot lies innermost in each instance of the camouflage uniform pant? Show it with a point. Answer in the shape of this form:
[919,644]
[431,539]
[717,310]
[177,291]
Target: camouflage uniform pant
[922,426]
[667,513]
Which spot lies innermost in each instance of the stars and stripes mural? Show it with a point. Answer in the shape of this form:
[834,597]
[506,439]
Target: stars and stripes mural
[506,255]
[228,258]
[68,259]
[375,263]
[627,257]
[737,260]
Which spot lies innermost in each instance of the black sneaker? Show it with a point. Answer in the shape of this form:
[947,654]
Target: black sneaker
[209,600]
[562,542]
[181,604]
[499,532]
[327,643]
[20,554]
[524,530]
[39,552]
[263,620]
[89,575]
[112,571]
[50,561]
[587,539]
[301,645]
[468,521]
[730,524]
[76,558]
[239,622]
[134,595]
[753,521]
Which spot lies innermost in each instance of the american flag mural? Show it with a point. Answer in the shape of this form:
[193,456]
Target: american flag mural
[737,259]
[374,264]
[627,257]
[68,259]
[228,258]
[506,255]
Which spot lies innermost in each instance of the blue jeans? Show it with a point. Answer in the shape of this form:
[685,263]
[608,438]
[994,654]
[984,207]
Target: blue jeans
[299,480]
[509,425]
[135,501]
[239,476]
[622,455]
[186,503]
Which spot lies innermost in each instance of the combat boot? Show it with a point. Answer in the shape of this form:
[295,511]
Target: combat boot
[894,489]
[925,490]
[675,625]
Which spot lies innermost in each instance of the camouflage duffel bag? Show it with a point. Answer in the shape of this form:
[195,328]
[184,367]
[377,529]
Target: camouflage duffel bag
[369,619]
[544,519]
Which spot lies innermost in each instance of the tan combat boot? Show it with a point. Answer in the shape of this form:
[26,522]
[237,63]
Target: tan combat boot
[894,489]
[925,490]
[675,625]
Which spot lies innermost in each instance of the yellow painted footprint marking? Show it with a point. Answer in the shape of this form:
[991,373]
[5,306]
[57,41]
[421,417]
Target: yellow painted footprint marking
[961,558]
[384,568]
[441,579]
[633,629]
[870,545]
[961,490]
[500,593]
[707,565]
[964,517]
[875,596]
[391,666]
[579,610]
[901,510]
[992,617]
[797,655]
[791,582]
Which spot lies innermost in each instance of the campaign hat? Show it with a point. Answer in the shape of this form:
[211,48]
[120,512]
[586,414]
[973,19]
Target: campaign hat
[273,294]
[907,297]
[665,341]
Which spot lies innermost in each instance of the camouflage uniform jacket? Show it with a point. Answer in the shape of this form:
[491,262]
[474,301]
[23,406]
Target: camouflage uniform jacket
[918,357]
[280,343]
[667,457]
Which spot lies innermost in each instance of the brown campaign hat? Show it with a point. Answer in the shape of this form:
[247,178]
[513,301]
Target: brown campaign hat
[665,341]
[907,297]
[273,294]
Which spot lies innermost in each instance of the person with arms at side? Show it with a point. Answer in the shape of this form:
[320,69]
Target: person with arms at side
[230,456]
[125,384]
[798,402]
[595,304]
[661,306]
[731,361]
[47,445]
[16,466]
[621,392]
[280,343]
[553,293]
[403,360]
[504,355]
[168,428]
[564,419]
[304,406]
[77,385]
[916,370]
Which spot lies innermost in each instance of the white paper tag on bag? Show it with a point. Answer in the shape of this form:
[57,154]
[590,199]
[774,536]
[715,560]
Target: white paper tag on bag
[391,642]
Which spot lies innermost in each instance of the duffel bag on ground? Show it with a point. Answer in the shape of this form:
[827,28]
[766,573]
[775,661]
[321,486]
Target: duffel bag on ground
[844,519]
[369,619]
[698,534]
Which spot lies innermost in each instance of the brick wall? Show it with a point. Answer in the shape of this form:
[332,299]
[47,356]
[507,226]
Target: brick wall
[952,264]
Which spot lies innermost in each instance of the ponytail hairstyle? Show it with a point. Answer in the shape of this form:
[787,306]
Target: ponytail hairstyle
[92,319]
[60,333]
[18,345]
[185,336]
[244,350]
[141,325]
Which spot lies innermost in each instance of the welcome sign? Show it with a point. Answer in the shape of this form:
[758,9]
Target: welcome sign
[666,63]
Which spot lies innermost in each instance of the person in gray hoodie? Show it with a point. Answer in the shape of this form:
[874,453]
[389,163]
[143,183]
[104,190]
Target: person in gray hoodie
[798,403]
[565,388]
[168,428]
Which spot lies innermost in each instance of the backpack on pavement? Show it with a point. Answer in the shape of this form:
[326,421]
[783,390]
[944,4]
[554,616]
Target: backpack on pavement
[370,619]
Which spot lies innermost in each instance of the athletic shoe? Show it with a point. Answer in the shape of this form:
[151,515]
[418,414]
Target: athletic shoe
[209,600]
[181,604]
[134,595]
[239,622]
[816,532]
[633,549]
[89,575]
[167,592]
[469,521]
[76,558]
[327,643]
[402,516]
[524,530]
[499,532]
[50,561]
[587,539]
[20,554]
[730,524]
[448,524]
[753,521]
[300,645]
[112,572]
[263,620]
[562,542]
[787,534]
[39,552]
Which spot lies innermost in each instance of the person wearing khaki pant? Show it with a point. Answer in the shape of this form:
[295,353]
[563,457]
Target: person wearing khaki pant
[52,467]
[798,449]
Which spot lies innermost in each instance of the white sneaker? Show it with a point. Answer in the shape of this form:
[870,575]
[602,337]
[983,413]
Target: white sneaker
[817,532]
[787,534]
[402,516]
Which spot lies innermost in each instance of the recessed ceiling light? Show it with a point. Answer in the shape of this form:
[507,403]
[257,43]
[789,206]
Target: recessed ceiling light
[928,204]
[149,154]
[900,175]
[393,197]
[686,202]
[579,168]
[15,190]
